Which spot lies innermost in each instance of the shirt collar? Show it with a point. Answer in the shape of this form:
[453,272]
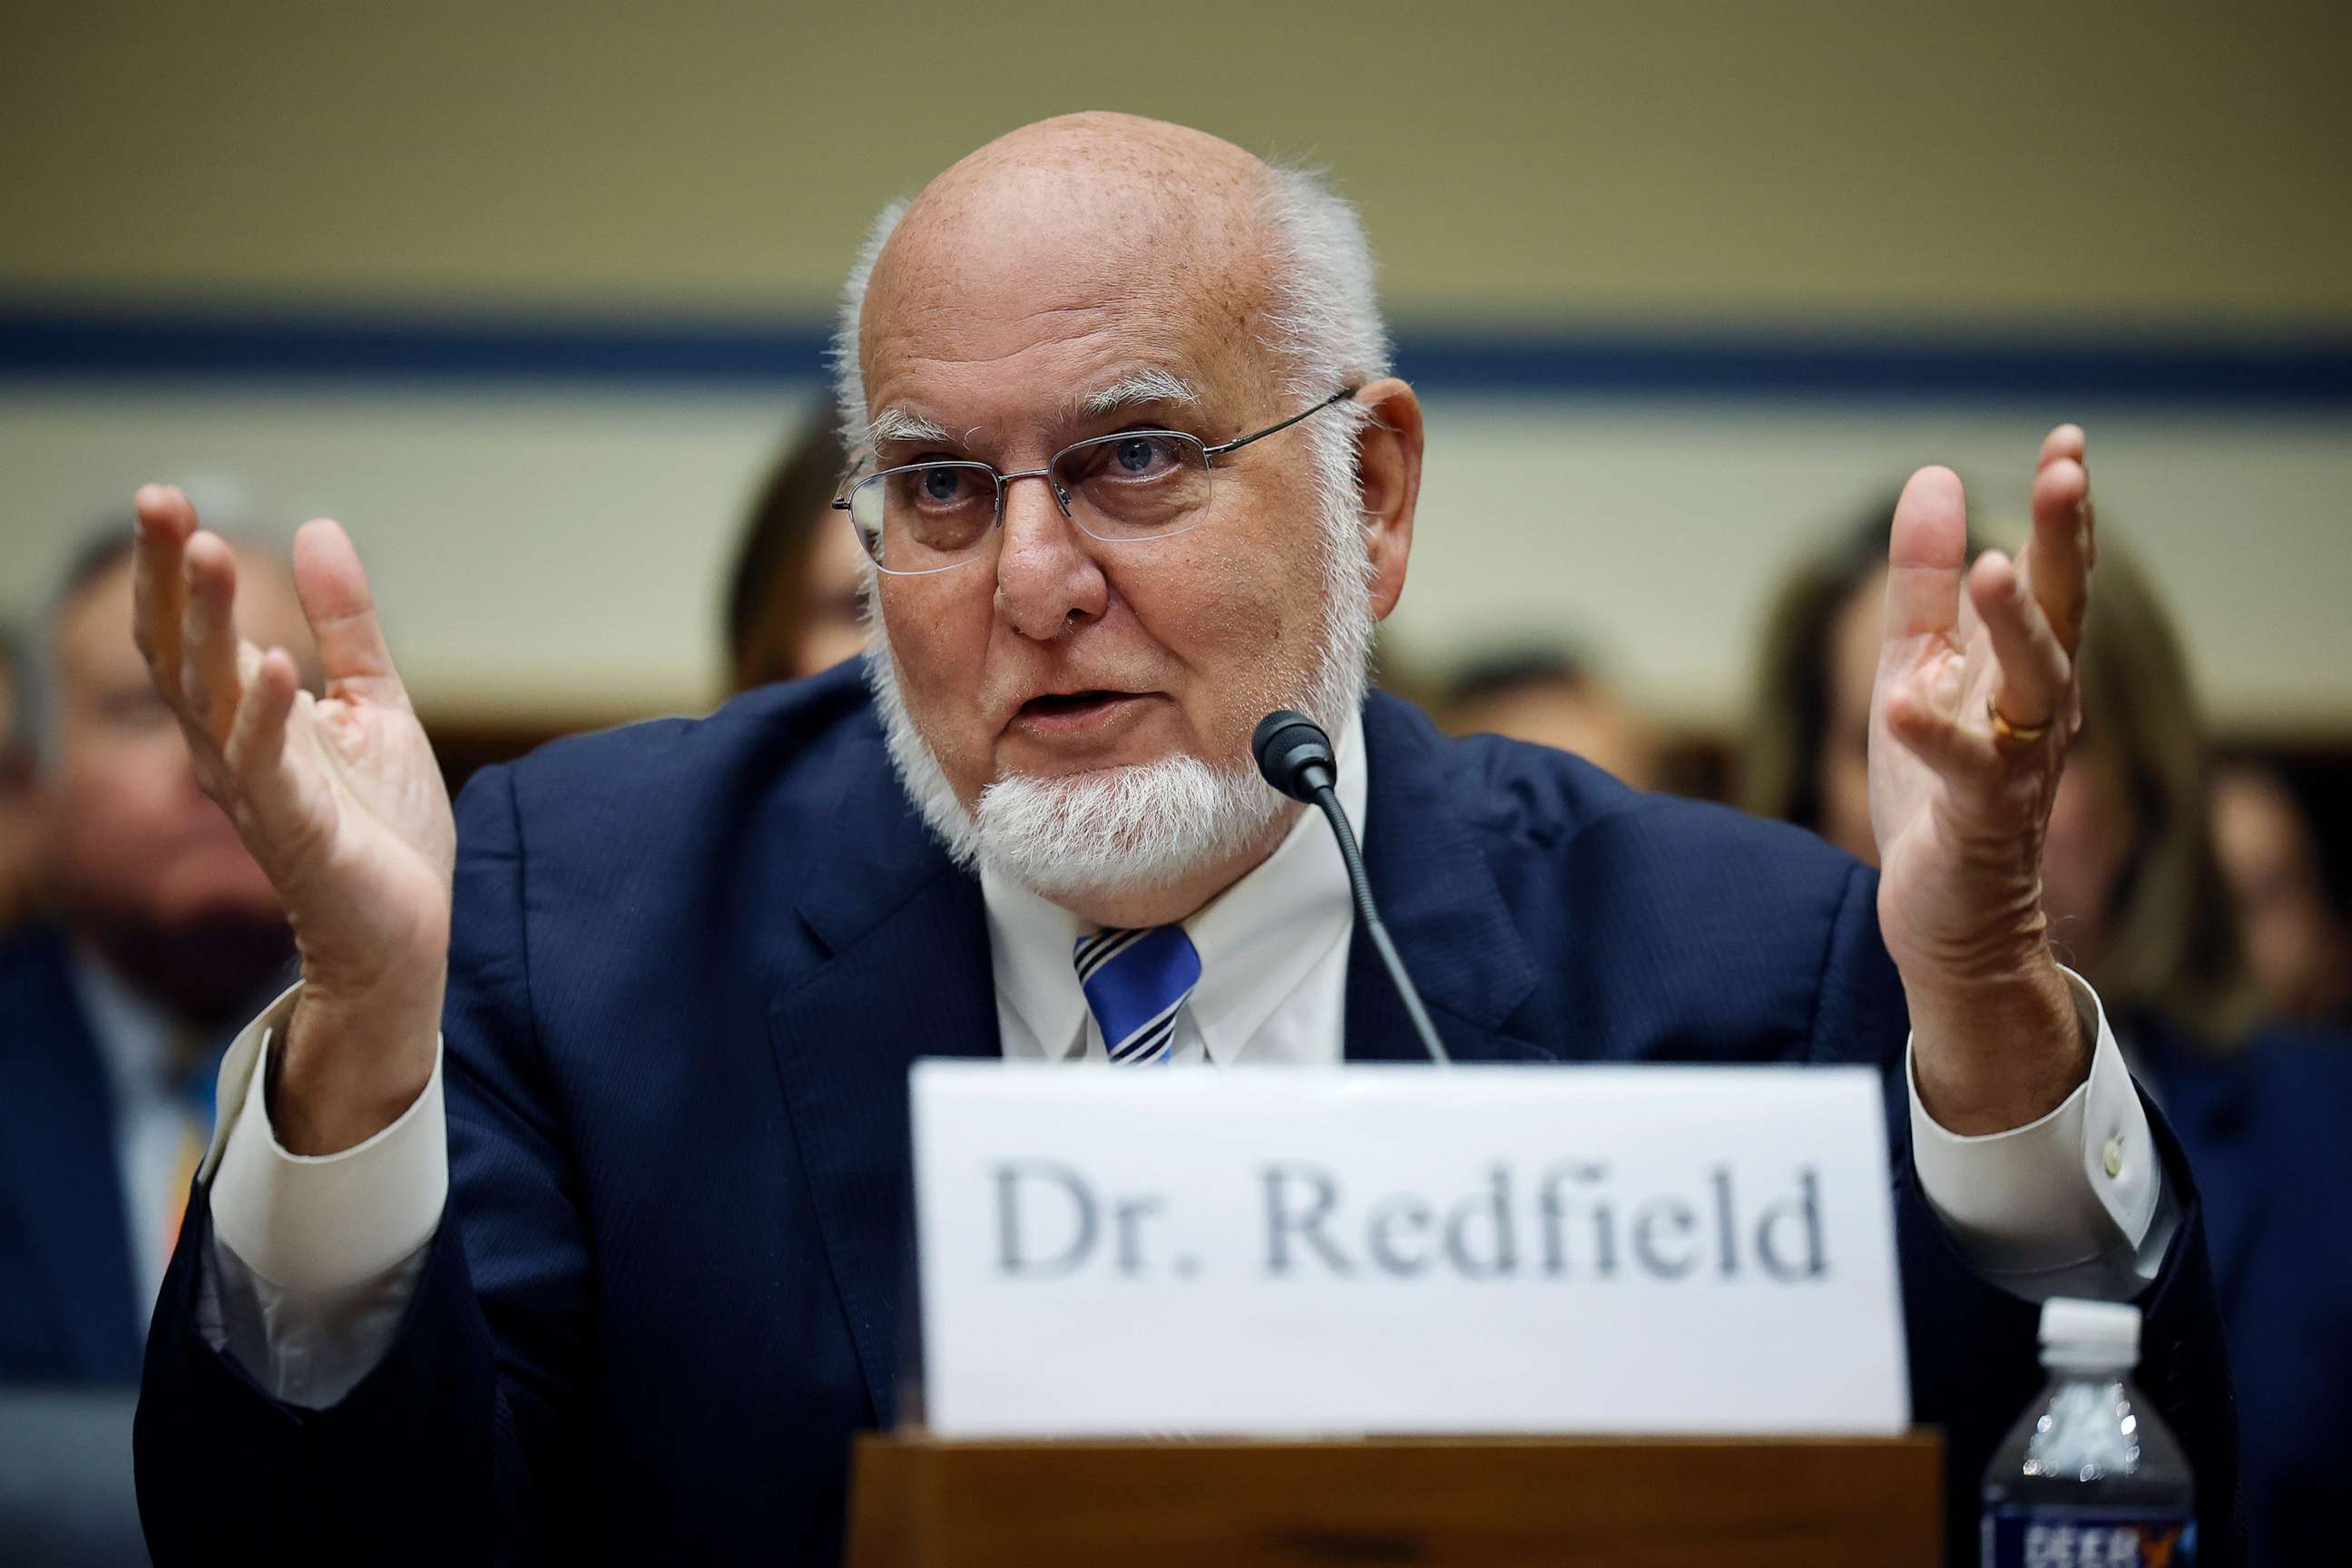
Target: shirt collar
[1258,940]
[134,1036]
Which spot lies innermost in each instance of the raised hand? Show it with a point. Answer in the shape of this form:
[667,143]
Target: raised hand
[337,798]
[1974,708]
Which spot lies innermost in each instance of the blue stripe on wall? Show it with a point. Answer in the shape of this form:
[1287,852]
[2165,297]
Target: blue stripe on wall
[377,347]
[44,343]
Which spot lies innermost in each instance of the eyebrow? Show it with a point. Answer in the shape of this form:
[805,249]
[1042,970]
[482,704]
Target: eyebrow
[1150,384]
[898,424]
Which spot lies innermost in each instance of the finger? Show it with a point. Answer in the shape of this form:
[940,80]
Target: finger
[2065,441]
[209,678]
[2069,441]
[261,756]
[257,743]
[1935,737]
[1925,554]
[341,611]
[2057,560]
[2034,669]
[165,520]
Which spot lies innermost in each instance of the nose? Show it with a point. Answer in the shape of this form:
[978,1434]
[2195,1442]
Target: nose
[1044,574]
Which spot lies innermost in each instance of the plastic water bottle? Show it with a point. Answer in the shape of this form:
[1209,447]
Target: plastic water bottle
[2089,1477]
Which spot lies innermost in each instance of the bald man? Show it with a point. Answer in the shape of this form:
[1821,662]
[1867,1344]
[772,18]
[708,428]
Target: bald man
[562,1211]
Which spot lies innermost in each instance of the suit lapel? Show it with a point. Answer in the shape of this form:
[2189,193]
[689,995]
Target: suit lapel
[56,1159]
[904,974]
[1442,908]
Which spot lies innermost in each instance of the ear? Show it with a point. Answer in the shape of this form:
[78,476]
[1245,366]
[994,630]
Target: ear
[1388,485]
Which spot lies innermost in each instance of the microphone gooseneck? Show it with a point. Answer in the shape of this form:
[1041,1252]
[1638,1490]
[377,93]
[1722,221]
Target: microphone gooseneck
[1295,757]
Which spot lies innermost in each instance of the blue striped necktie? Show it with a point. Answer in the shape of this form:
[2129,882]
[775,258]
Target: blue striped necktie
[1134,982]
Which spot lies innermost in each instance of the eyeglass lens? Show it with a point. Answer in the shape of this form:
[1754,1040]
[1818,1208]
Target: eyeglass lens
[1128,486]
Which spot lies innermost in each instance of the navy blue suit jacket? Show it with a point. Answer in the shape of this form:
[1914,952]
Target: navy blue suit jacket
[2264,1129]
[69,1308]
[691,963]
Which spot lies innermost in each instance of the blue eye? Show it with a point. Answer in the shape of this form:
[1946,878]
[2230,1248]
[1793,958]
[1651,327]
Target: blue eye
[942,484]
[1135,454]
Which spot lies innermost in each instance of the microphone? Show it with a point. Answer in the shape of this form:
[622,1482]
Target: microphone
[1295,756]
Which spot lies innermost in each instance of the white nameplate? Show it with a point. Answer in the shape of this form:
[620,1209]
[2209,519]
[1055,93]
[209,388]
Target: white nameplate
[1396,1249]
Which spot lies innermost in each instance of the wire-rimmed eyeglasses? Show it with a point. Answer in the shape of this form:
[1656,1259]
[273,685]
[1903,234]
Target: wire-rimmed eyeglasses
[1120,489]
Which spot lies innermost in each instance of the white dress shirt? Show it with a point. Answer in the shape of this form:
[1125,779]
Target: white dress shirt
[152,1119]
[314,1257]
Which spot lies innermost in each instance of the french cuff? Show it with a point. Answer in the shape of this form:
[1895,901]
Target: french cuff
[325,1223]
[2077,1187]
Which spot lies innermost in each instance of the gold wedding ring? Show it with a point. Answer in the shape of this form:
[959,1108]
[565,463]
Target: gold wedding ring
[2009,737]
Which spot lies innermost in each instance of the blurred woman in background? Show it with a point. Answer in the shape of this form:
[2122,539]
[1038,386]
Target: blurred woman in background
[1550,697]
[2290,870]
[792,600]
[2139,906]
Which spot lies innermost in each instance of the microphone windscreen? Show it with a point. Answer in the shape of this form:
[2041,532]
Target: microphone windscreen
[1286,745]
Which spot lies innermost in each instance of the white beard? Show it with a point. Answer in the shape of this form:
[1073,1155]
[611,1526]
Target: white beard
[1123,829]
[1149,825]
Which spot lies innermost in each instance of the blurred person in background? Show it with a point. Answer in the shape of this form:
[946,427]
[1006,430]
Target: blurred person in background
[2292,883]
[792,600]
[2137,903]
[1552,697]
[19,830]
[156,937]
[1805,755]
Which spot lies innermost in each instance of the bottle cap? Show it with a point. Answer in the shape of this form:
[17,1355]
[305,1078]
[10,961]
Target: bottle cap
[2088,1334]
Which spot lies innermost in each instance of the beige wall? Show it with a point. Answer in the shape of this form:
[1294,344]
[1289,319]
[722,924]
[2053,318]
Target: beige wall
[2105,167]
[2108,161]
[553,552]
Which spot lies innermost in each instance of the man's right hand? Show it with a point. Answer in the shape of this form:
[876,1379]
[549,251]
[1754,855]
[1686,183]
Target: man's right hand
[338,798]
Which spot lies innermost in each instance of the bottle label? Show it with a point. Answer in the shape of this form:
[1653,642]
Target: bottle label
[2026,1537]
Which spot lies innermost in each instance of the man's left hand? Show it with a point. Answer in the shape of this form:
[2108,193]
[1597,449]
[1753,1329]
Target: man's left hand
[1975,705]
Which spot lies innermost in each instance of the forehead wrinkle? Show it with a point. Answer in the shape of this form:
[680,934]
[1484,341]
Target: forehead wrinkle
[1167,213]
[1106,362]
[1177,331]
[950,332]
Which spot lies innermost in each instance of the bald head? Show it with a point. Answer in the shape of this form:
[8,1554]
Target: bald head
[1102,222]
[1120,154]
[1076,212]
